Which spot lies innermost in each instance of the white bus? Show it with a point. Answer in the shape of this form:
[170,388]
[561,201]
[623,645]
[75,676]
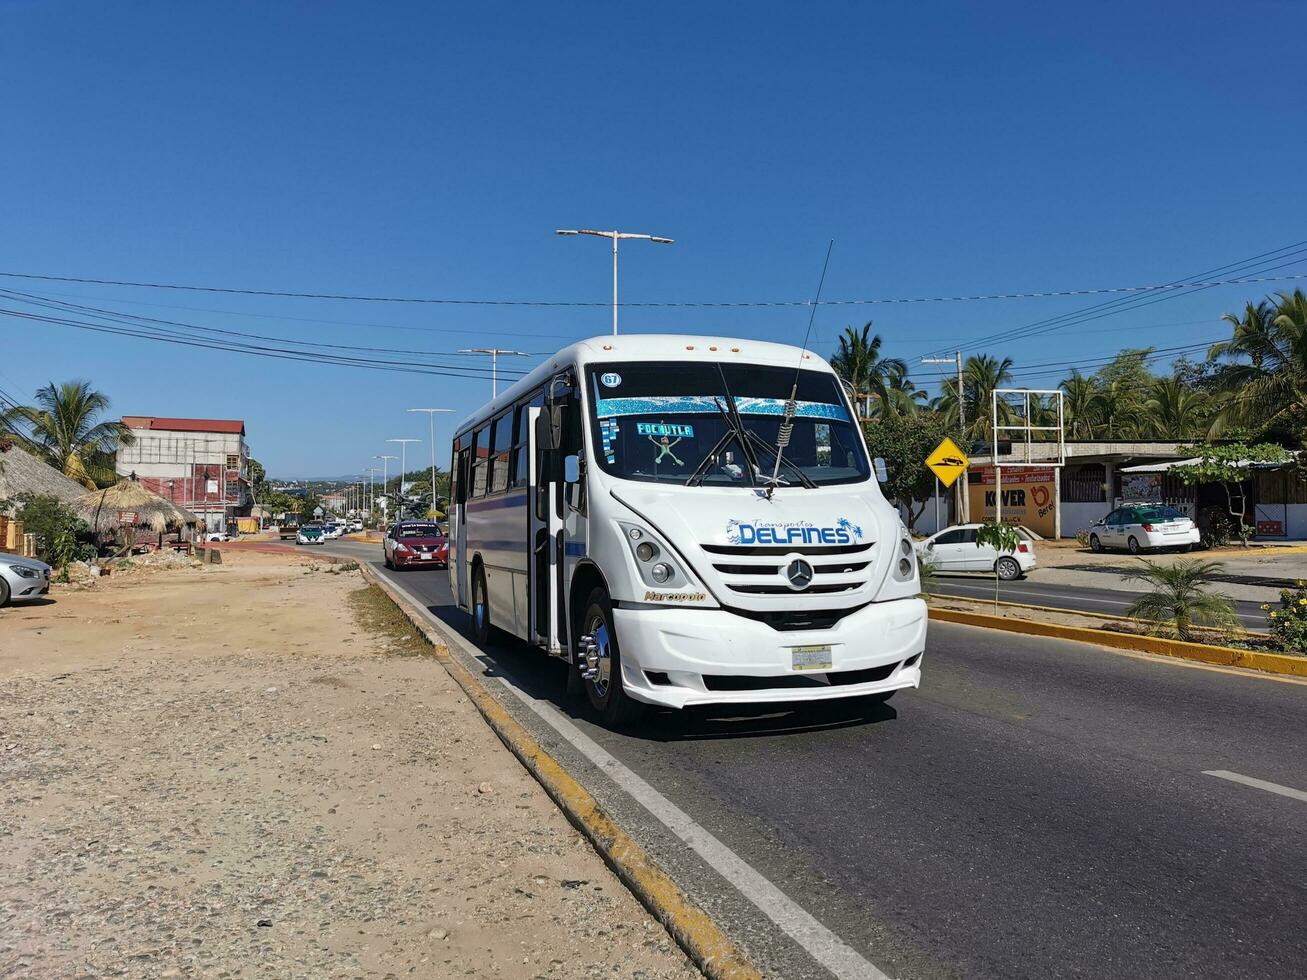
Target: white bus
[617,508]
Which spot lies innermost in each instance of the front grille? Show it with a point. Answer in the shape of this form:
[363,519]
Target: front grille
[791,621]
[831,589]
[834,678]
[778,550]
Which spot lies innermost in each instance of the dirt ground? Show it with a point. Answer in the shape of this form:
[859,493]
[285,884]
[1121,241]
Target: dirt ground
[252,770]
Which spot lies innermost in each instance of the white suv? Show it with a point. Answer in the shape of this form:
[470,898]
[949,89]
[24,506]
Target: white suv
[1136,527]
[954,549]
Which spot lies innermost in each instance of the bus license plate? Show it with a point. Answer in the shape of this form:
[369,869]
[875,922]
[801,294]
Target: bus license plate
[811,658]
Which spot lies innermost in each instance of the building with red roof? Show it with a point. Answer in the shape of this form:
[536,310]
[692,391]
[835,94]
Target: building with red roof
[199,464]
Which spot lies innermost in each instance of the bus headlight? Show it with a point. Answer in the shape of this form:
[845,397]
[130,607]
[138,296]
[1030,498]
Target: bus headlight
[652,559]
[906,566]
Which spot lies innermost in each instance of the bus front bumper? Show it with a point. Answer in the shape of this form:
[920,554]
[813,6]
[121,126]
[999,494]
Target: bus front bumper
[682,657]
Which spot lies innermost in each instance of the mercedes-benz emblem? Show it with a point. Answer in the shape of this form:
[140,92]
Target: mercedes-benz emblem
[799,574]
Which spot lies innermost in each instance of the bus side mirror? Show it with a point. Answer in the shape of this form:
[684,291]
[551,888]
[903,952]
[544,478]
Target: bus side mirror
[882,474]
[571,469]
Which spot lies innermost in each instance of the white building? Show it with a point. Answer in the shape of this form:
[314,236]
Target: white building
[199,464]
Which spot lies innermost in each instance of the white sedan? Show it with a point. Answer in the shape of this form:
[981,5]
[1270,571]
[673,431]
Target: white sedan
[1138,527]
[954,549]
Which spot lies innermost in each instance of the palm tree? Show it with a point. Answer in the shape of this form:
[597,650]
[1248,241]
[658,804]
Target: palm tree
[1083,404]
[902,396]
[1271,386]
[858,361]
[1178,598]
[1121,410]
[1251,332]
[62,429]
[981,375]
[1177,411]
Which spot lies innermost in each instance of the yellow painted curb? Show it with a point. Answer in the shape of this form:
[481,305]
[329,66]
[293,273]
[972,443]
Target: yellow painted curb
[1272,663]
[696,933]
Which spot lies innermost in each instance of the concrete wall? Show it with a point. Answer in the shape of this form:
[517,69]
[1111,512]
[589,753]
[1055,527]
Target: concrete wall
[1076,517]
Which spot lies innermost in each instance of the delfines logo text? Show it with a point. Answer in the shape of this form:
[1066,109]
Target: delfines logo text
[793,532]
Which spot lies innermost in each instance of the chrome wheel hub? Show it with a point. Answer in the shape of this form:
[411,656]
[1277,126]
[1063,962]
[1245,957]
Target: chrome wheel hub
[594,660]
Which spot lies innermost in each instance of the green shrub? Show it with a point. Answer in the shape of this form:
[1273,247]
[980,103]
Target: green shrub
[60,534]
[1082,538]
[1289,622]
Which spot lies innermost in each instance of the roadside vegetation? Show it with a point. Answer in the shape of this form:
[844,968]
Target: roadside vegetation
[1288,624]
[1179,600]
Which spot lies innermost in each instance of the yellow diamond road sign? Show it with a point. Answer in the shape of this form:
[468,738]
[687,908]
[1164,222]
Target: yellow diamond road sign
[947,462]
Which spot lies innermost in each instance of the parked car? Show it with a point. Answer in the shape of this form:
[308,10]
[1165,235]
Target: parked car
[954,549]
[22,579]
[311,534]
[1137,527]
[355,526]
[217,536]
[414,543]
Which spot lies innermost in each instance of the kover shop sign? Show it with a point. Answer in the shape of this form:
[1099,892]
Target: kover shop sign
[1027,496]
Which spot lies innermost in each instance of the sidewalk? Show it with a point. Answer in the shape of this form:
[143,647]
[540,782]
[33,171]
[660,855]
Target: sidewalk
[253,768]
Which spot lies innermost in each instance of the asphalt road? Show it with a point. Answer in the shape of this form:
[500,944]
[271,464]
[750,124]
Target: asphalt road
[1112,602]
[1038,808]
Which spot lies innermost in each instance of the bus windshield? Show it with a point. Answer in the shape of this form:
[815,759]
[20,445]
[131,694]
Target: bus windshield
[672,422]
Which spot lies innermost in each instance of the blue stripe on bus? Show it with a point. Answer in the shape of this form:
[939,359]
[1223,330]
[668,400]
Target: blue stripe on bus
[575,549]
[494,503]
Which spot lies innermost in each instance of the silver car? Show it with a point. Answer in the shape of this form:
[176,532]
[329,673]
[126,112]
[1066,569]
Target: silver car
[22,579]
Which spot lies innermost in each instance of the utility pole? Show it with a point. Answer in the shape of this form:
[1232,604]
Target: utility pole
[963,503]
[431,418]
[616,236]
[494,353]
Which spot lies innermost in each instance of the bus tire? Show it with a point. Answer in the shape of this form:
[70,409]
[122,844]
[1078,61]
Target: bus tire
[605,692]
[482,631]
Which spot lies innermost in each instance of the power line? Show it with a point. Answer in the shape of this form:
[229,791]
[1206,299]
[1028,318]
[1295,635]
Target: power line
[1172,290]
[447,301]
[403,367]
[117,316]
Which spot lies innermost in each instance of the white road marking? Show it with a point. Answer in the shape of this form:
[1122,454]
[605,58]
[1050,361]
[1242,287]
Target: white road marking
[1234,777]
[823,945]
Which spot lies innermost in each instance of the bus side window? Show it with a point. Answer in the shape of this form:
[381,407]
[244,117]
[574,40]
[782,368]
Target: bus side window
[480,461]
[460,476]
[503,438]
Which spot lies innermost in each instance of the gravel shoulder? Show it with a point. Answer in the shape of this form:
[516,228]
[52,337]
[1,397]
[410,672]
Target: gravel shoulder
[252,770]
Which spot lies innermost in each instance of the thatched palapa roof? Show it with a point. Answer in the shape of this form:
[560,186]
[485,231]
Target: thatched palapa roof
[104,510]
[21,472]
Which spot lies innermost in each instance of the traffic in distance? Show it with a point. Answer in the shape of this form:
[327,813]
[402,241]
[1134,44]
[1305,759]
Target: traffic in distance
[686,521]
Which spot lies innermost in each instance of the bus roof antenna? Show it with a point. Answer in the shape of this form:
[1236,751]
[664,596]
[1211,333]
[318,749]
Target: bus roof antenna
[792,406]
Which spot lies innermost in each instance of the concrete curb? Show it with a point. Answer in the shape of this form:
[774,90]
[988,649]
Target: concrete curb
[1271,663]
[696,933]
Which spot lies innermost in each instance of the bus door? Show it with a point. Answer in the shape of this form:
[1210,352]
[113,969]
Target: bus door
[547,542]
[457,559]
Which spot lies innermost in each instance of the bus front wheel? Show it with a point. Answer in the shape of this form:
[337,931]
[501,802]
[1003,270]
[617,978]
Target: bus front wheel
[481,629]
[600,663]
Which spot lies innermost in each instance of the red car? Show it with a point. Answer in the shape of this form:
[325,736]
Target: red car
[412,544]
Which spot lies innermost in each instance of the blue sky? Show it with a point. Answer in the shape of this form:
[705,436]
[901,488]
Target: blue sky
[430,150]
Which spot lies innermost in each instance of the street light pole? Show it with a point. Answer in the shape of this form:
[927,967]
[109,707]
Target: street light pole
[403,468]
[494,353]
[616,236]
[385,483]
[431,418]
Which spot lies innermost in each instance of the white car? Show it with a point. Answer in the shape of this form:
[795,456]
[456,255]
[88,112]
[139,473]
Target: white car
[954,549]
[22,579]
[1138,527]
[333,530]
[217,536]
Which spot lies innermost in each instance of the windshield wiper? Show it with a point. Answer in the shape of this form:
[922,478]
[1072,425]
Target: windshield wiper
[734,431]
